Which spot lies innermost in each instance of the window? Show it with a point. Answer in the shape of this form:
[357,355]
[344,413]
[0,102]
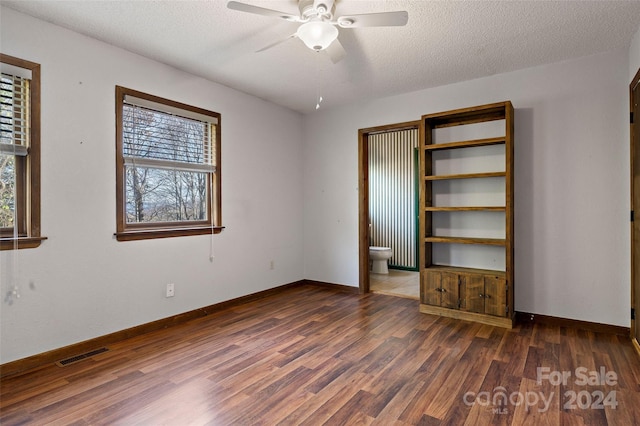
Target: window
[19,154]
[167,168]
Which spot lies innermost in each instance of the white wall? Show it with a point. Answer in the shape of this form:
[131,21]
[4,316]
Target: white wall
[634,55]
[82,283]
[572,182]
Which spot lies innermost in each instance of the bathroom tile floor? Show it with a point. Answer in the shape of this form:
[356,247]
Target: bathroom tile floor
[397,283]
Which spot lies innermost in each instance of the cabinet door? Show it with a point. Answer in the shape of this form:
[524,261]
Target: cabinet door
[472,293]
[450,290]
[430,293]
[495,300]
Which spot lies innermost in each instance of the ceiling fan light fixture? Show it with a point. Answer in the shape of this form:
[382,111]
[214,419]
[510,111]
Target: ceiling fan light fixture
[317,35]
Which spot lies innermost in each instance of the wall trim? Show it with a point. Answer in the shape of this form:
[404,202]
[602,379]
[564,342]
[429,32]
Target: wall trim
[336,287]
[529,318]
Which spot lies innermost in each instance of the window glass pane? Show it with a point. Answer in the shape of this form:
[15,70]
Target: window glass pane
[7,190]
[160,195]
[161,136]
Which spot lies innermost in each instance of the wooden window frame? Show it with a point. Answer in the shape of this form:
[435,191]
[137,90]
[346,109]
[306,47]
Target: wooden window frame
[142,231]
[28,233]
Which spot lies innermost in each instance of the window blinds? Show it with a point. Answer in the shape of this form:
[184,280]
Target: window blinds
[14,115]
[164,140]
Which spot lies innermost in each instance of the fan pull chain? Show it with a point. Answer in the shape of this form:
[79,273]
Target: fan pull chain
[318,82]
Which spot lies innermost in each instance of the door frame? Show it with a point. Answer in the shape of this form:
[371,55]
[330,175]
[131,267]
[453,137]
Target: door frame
[363,194]
[635,200]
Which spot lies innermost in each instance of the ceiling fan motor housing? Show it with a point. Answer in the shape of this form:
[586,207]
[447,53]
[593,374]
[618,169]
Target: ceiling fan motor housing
[322,9]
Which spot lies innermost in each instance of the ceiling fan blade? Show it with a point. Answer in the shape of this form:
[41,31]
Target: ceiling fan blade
[384,19]
[335,51]
[277,43]
[243,7]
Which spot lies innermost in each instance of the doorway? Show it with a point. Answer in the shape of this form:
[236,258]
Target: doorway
[397,277]
[634,90]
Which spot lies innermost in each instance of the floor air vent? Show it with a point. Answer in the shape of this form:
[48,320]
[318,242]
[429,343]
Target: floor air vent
[77,358]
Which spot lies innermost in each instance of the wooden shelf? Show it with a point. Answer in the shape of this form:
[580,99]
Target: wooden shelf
[459,269]
[468,115]
[466,209]
[466,176]
[466,240]
[465,144]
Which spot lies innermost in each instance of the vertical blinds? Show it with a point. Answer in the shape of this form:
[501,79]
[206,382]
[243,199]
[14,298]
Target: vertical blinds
[14,115]
[165,140]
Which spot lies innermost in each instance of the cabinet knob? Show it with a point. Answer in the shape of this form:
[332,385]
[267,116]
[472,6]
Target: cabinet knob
[481,295]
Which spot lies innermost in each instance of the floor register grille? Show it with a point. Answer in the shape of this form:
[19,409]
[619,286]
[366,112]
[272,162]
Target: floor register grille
[78,358]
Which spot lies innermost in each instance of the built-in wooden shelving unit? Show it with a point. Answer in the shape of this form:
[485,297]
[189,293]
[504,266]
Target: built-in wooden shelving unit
[482,295]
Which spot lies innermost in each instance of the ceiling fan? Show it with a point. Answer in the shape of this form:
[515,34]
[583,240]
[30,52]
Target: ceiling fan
[319,24]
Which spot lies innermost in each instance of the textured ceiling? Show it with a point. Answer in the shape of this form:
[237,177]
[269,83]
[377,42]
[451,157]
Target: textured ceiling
[444,42]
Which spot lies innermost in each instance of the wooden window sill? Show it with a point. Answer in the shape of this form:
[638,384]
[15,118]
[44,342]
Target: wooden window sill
[11,243]
[147,234]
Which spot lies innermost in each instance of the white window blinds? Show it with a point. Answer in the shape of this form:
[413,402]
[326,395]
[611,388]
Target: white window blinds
[14,115]
[155,136]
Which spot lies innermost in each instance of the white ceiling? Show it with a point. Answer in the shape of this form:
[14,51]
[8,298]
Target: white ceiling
[444,42]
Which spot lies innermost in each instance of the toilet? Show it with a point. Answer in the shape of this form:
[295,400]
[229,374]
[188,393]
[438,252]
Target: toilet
[379,257]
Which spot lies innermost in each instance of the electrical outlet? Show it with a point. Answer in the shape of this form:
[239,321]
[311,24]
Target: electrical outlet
[272,265]
[171,291]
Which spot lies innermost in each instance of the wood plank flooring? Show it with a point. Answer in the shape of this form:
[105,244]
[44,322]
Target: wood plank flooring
[313,356]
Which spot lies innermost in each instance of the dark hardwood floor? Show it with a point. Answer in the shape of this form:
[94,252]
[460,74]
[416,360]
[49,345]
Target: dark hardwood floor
[315,356]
